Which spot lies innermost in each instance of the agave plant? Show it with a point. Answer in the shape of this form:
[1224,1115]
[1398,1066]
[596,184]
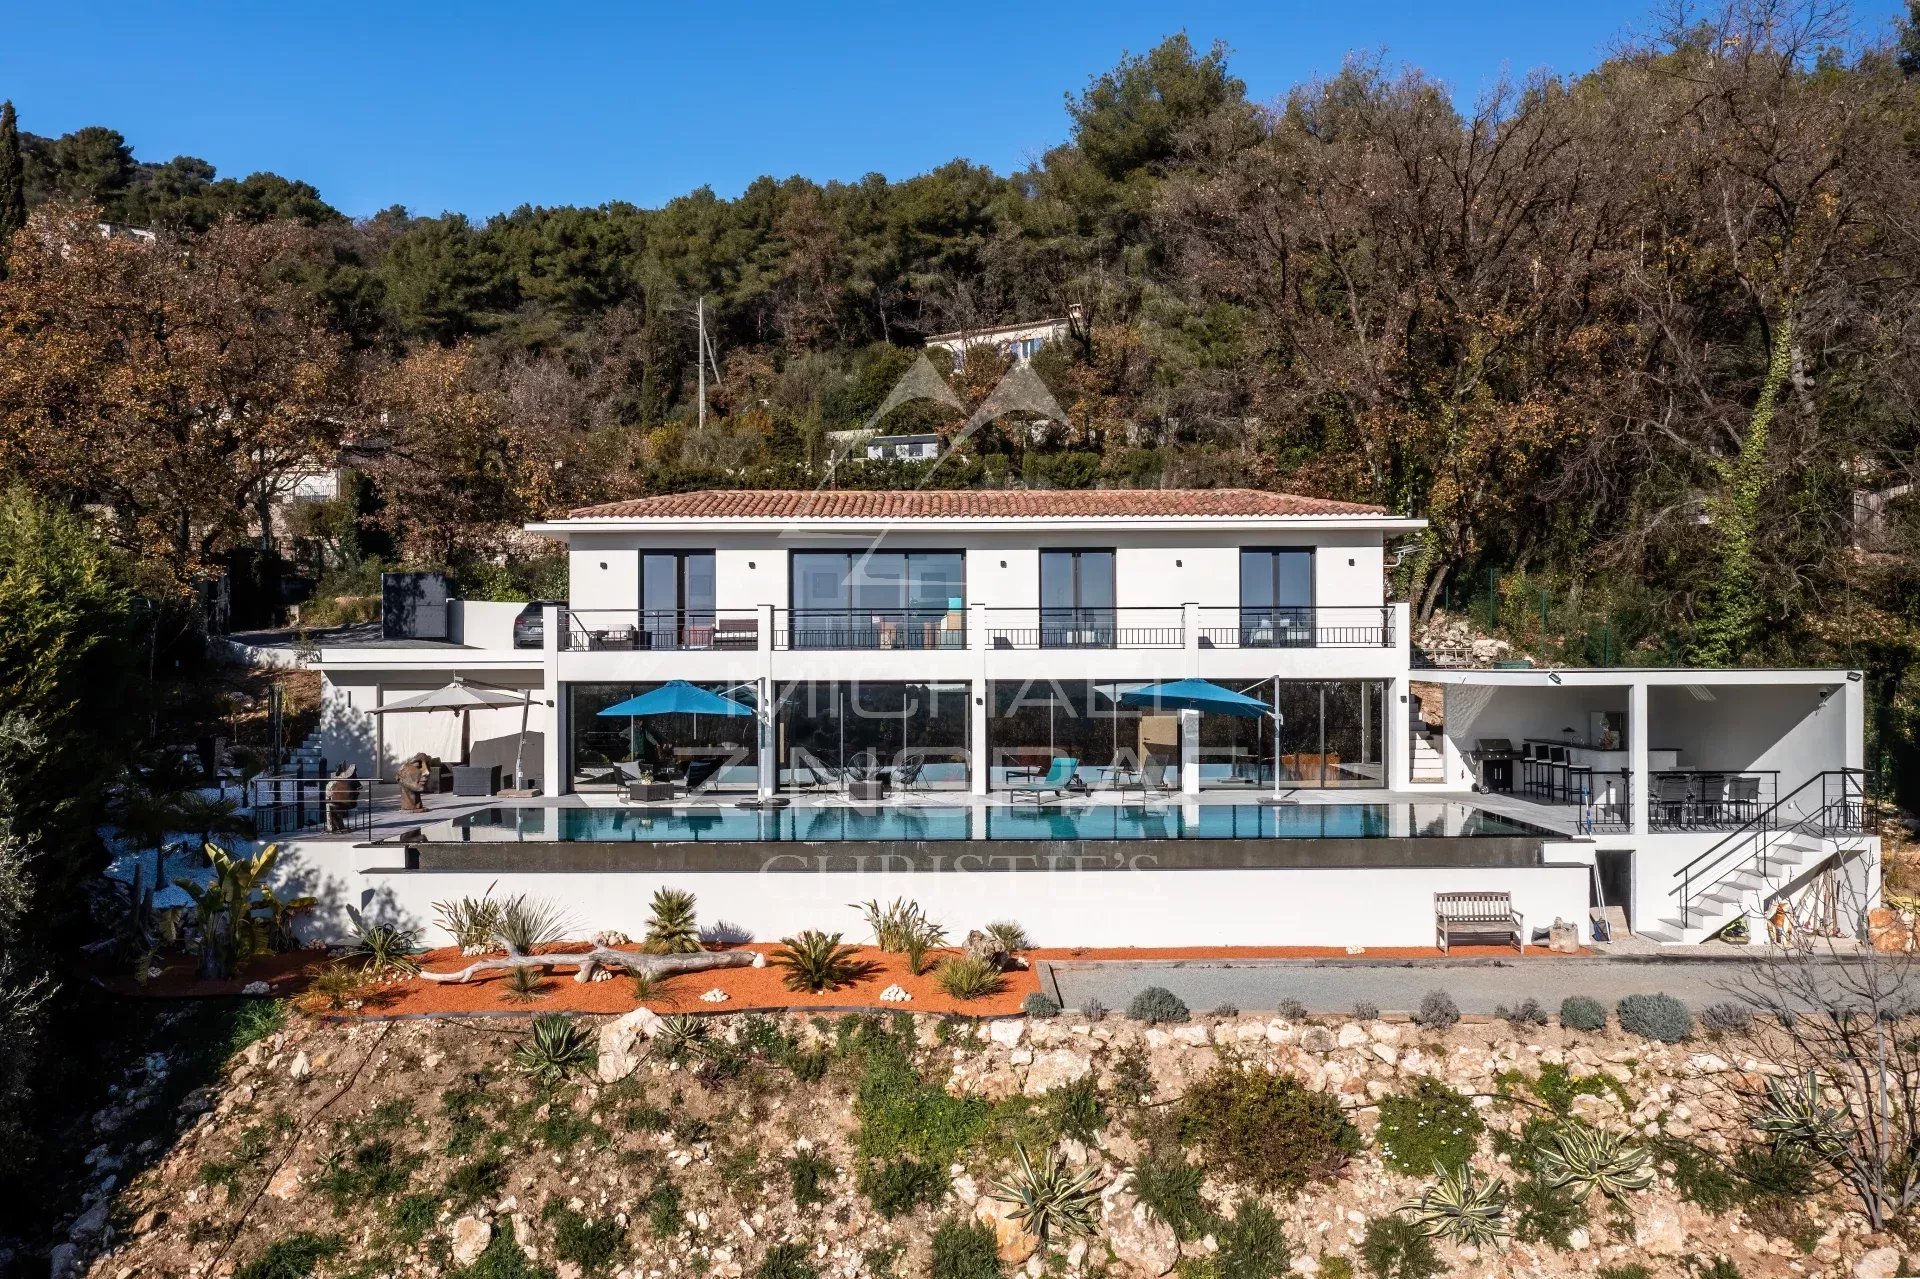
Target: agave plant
[1796,1112]
[1461,1206]
[556,1049]
[1051,1199]
[383,948]
[680,1035]
[671,930]
[816,961]
[1582,1159]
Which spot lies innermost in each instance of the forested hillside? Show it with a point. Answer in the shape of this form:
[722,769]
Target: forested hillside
[1639,342]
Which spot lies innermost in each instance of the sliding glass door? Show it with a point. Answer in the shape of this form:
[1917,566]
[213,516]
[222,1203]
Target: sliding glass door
[1076,599]
[676,599]
[879,599]
[1276,598]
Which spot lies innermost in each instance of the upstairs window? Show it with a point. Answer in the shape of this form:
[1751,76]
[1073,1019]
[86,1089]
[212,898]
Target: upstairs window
[1076,599]
[676,597]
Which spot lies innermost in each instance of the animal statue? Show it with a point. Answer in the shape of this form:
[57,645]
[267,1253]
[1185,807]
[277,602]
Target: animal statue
[1780,924]
[343,793]
[412,778]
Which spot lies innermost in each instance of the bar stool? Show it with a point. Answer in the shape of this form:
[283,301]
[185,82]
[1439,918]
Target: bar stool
[1557,769]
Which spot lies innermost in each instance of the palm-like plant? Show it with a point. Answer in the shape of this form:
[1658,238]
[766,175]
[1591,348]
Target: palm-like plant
[671,930]
[1009,935]
[229,933]
[816,961]
[1051,1199]
[1581,1159]
[556,1049]
[1461,1206]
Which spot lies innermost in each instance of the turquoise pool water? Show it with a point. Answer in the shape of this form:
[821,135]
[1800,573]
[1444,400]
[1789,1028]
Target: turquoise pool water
[957,822]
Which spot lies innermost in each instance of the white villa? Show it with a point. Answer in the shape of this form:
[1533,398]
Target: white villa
[959,697]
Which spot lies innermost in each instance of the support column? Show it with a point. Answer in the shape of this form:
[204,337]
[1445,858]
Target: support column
[1399,734]
[1189,752]
[553,747]
[765,708]
[1637,732]
[979,766]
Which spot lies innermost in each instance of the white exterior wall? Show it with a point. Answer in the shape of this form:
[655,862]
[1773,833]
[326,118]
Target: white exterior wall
[1305,907]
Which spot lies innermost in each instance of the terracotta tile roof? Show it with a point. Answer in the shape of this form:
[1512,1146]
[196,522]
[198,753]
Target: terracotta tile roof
[734,504]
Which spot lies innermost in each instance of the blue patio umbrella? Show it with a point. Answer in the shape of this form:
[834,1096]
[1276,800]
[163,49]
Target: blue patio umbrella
[1195,695]
[677,697]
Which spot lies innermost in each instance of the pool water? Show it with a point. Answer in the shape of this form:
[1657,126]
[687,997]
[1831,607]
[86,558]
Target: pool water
[934,823]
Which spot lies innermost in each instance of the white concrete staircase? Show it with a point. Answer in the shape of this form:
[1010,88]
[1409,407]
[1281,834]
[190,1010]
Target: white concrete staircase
[1427,764]
[1744,888]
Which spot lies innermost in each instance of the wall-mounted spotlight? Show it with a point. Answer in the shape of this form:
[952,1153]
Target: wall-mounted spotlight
[1853,677]
[1826,694]
[1553,677]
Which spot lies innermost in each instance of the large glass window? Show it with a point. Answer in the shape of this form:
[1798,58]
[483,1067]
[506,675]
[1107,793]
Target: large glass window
[1076,599]
[1035,721]
[1333,733]
[719,752]
[1276,598]
[676,599]
[879,599]
[914,735]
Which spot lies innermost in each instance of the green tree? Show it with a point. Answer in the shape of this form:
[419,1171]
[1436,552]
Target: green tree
[13,178]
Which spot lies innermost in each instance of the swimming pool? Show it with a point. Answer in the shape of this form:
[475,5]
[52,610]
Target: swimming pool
[956,822]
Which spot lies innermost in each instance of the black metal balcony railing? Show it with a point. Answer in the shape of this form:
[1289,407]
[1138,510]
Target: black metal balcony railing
[1336,626]
[1086,628]
[870,628]
[1677,800]
[662,630]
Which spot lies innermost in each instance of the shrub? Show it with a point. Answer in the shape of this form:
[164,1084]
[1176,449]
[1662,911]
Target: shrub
[1366,1010]
[556,1049]
[1051,1200]
[1252,1245]
[786,1261]
[1462,1207]
[1578,1012]
[1157,1004]
[1265,1130]
[293,1257]
[1631,1270]
[1010,936]
[806,1173]
[964,1250]
[966,977]
[1727,1018]
[1225,1010]
[1039,1006]
[1527,1012]
[1660,1017]
[1334,1266]
[900,923]
[1093,1010]
[1437,1011]
[671,927]
[1395,1248]
[529,923]
[471,921]
[474,1180]
[816,961]
[899,1186]
[1169,1188]
[1431,1127]
[1545,1214]
[1290,1010]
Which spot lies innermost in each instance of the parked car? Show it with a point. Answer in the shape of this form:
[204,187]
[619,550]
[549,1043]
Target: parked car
[529,629]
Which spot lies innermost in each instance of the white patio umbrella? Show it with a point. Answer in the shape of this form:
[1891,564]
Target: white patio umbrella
[465,695]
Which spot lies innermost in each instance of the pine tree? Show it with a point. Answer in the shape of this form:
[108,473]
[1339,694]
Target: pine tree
[13,176]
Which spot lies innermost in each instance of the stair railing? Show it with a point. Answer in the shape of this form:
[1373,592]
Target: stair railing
[1838,806]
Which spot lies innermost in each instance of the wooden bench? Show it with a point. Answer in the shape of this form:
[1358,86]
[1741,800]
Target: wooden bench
[1485,917]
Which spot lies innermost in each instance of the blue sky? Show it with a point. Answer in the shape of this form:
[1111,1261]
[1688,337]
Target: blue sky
[486,105]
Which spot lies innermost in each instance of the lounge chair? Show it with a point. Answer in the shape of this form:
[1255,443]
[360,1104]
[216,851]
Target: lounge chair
[1063,775]
[906,774]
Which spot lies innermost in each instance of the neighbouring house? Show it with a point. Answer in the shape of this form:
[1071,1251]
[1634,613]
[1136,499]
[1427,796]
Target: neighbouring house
[1016,342]
[993,701]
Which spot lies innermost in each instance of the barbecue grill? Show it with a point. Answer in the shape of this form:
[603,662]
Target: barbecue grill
[1493,762]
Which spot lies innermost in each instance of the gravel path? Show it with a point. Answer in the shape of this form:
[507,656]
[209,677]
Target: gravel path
[1335,986]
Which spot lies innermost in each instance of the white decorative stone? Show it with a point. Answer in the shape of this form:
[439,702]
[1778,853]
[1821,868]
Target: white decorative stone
[895,995]
[715,996]
[256,990]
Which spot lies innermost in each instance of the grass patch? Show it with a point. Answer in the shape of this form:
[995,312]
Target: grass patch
[293,1257]
[592,1243]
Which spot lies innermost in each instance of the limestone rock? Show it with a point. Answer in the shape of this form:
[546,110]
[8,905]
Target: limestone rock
[1056,1068]
[1881,1263]
[471,1236]
[1012,1241]
[620,1040]
[285,1184]
[1659,1232]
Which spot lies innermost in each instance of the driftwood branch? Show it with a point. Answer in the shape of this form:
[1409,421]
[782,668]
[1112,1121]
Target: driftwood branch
[600,957]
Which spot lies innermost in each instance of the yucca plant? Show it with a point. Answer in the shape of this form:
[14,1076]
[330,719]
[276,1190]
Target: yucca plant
[680,1035]
[898,924]
[527,924]
[524,985]
[918,944]
[1462,1206]
[1581,1159]
[383,949]
[671,930]
[556,1049]
[1053,1199]
[967,977]
[472,922]
[816,961]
